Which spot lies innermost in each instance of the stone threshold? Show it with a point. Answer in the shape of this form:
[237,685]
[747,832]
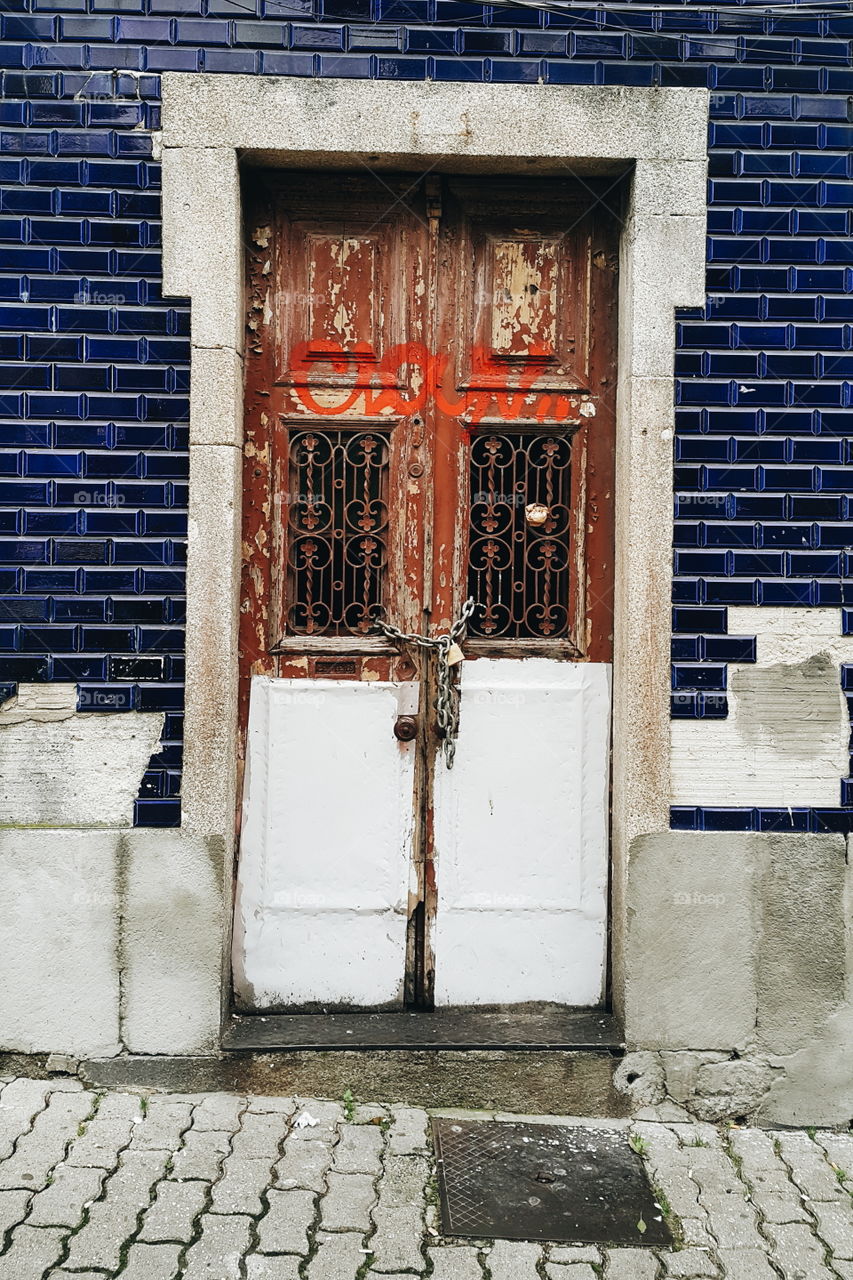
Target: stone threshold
[551,1027]
[555,1081]
[556,1060]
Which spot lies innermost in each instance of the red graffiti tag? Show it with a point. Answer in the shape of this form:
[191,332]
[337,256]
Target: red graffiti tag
[409,376]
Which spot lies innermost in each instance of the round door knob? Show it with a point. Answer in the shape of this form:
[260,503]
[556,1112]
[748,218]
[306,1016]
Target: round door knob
[405,728]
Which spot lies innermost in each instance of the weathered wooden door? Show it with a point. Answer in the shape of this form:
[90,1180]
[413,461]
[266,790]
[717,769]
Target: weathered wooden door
[430,400]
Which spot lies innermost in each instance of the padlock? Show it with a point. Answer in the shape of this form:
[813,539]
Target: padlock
[454,655]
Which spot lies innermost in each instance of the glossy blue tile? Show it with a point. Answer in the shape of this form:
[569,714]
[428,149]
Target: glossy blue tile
[52,522]
[831,594]
[19,668]
[829,535]
[157,813]
[699,676]
[828,820]
[156,697]
[400,68]
[783,820]
[787,535]
[730,591]
[136,668]
[729,648]
[786,593]
[488,42]
[684,706]
[757,564]
[759,449]
[599,45]
[825,451]
[705,621]
[727,819]
[106,697]
[685,648]
[815,508]
[23,609]
[713,706]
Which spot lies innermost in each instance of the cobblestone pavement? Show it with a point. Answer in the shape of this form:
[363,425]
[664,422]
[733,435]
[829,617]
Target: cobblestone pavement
[220,1187]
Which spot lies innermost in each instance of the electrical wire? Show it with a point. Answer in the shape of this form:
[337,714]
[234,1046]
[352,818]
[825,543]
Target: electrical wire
[750,6]
[813,8]
[553,6]
[580,11]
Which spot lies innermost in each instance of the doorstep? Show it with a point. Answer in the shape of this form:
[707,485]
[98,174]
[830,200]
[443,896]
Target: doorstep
[559,1062]
[554,1027]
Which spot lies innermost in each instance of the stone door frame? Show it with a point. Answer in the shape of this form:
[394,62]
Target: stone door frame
[214,123]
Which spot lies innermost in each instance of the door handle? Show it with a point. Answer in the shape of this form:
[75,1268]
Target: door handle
[406,728]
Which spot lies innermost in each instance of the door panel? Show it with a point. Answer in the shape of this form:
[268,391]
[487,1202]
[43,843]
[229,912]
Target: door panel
[521,836]
[429,416]
[322,895]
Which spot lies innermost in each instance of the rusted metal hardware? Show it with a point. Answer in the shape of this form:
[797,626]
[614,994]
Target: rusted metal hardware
[519,562]
[406,728]
[338,524]
[447,649]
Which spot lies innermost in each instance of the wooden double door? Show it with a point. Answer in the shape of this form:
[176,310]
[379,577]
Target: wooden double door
[429,420]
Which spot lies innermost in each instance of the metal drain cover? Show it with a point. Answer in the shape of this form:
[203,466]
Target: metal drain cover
[513,1181]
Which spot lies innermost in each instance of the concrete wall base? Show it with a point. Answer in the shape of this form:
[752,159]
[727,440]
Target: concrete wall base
[111,941]
[813,1087]
[740,976]
[739,980]
[714,1087]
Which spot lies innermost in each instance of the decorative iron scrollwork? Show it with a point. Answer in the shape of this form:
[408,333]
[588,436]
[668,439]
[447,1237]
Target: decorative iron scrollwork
[519,544]
[337,530]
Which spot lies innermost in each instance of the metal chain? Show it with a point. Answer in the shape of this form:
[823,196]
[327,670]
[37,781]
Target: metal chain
[447,695]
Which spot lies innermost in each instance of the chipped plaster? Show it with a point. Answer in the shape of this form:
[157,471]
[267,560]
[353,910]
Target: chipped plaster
[64,768]
[785,741]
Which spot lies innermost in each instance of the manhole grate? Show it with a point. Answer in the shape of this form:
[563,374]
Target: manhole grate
[513,1181]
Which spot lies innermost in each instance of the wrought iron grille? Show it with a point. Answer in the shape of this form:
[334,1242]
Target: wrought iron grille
[337,530]
[519,545]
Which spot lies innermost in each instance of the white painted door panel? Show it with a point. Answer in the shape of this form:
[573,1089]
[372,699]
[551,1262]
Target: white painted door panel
[522,836]
[325,850]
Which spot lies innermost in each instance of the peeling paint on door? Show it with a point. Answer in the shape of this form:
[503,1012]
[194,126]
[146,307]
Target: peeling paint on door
[430,415]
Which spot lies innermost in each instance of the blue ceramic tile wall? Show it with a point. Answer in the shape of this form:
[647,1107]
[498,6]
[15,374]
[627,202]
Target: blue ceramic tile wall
[93,396]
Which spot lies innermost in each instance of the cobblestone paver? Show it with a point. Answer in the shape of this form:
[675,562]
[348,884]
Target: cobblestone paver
[32,1251]
[117,1186]
[284,1227]
[62,1203]
[512,1261]
[338,1257]
[174,1211]
[218,1253]
[284,1266]
[44,1146]
[114,1220]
